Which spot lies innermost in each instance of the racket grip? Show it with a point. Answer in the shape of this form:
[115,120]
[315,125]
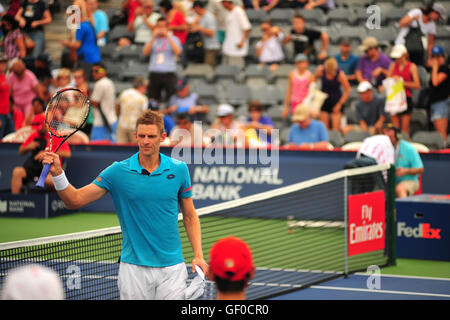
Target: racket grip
[44,174]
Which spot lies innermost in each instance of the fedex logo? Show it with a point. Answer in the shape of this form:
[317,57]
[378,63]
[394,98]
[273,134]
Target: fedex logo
[423,230]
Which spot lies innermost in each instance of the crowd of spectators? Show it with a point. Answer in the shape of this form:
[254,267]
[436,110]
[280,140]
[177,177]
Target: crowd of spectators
[218,32]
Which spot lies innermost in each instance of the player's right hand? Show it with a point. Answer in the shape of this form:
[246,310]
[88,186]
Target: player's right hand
[53,159]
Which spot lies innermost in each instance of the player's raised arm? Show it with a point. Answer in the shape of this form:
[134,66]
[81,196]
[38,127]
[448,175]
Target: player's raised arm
[72,197]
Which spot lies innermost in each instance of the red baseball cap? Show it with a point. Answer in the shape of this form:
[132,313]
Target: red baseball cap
[231,258]
[38,121]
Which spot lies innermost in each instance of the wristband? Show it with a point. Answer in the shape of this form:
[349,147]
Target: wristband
[60,182]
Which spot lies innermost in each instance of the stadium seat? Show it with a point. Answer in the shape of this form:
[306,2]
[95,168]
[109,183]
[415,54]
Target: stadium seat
[336,139]
[315,17]
[199,70]
[268,95]
[424,76]
[132,52]
[442,32]
[431,139]
[356,136]
[284,135]
[208,93]
[256,75]
[356,34]
[114,69]
[121,86]
[256,16]
[281,16]
[236,94]
[392,15]
[385,36]
[133,70]
[119,31]
[342,15]
[419,121]
[225,73]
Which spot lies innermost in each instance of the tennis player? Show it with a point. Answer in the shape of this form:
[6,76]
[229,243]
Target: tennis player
[146,189]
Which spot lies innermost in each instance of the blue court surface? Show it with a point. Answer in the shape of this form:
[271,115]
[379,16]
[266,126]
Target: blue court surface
[387,287]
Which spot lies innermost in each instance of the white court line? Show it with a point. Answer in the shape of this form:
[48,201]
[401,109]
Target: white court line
[383,291]
[406,277]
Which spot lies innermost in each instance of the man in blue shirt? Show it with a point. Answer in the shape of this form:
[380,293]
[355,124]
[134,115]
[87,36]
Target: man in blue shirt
[147,189]
[346,60]
[407,163]
[307,133]
[163,50]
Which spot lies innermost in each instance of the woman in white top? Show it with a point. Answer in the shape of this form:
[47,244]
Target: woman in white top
[424,19]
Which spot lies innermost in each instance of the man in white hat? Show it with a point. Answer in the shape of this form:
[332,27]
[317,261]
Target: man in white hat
[370,114]
[226,130]
[307,133]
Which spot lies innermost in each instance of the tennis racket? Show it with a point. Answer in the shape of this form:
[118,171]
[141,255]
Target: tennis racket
[65,114]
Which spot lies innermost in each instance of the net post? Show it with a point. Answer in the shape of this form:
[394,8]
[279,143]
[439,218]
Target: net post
[346,225]
[392,217]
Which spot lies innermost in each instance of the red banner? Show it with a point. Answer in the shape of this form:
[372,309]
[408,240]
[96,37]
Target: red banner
[366,222]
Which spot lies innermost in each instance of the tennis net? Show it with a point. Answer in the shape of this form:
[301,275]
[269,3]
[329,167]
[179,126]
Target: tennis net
[300,235]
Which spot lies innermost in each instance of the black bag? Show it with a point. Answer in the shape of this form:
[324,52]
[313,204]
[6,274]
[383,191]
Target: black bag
[414,45]
[194,47]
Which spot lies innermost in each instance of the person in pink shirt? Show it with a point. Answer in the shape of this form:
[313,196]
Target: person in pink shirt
[24,87]
[298,85]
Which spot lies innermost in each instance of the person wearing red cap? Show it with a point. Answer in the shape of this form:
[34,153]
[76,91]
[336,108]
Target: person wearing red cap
[231,267]
[36,143]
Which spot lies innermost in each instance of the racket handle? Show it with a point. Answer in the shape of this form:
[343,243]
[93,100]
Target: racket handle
[44,174]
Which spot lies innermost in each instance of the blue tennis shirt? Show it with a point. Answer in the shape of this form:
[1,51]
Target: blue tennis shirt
[147,208]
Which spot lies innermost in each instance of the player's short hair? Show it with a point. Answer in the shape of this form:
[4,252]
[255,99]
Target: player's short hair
[151,117]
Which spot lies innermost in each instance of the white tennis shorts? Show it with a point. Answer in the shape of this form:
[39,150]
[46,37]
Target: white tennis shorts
[151,283]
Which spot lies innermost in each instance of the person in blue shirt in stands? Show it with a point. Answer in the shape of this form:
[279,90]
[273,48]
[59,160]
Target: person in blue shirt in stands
[163,50]
[258,125]
[408,165]
[185,101]
[347,61]
[307,133]
[148,190]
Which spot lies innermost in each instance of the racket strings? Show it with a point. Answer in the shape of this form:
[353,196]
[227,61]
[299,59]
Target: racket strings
[67,112]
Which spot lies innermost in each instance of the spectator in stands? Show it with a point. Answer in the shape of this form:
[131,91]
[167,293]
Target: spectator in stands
[219,11]
[418,22]
[269,49]
[103,97]
[5,117]
[169,124]
[265,5]
[132,103]
[258,126]
[186,133]
[373,66]
[307,133]
[298,87]
[144,22]
[63,80]
[99,21]
[24,86]
[84,49]
[81,83]
[176,20]
[231,267]
[35,144]
[13,41]
[346,60]
[32,16]
[235,45]
[407,163]
[206,24]
[304,37]
[37,106]
[16,114]
[333,79]
[440,90]
[41,69]
[163,50]
[130,7]
[32,282]
[14,6]
[324,5]
[370,113]
[225,130]
[185,101]
[406,71]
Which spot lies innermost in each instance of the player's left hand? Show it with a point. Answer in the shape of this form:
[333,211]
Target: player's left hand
[201,263]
